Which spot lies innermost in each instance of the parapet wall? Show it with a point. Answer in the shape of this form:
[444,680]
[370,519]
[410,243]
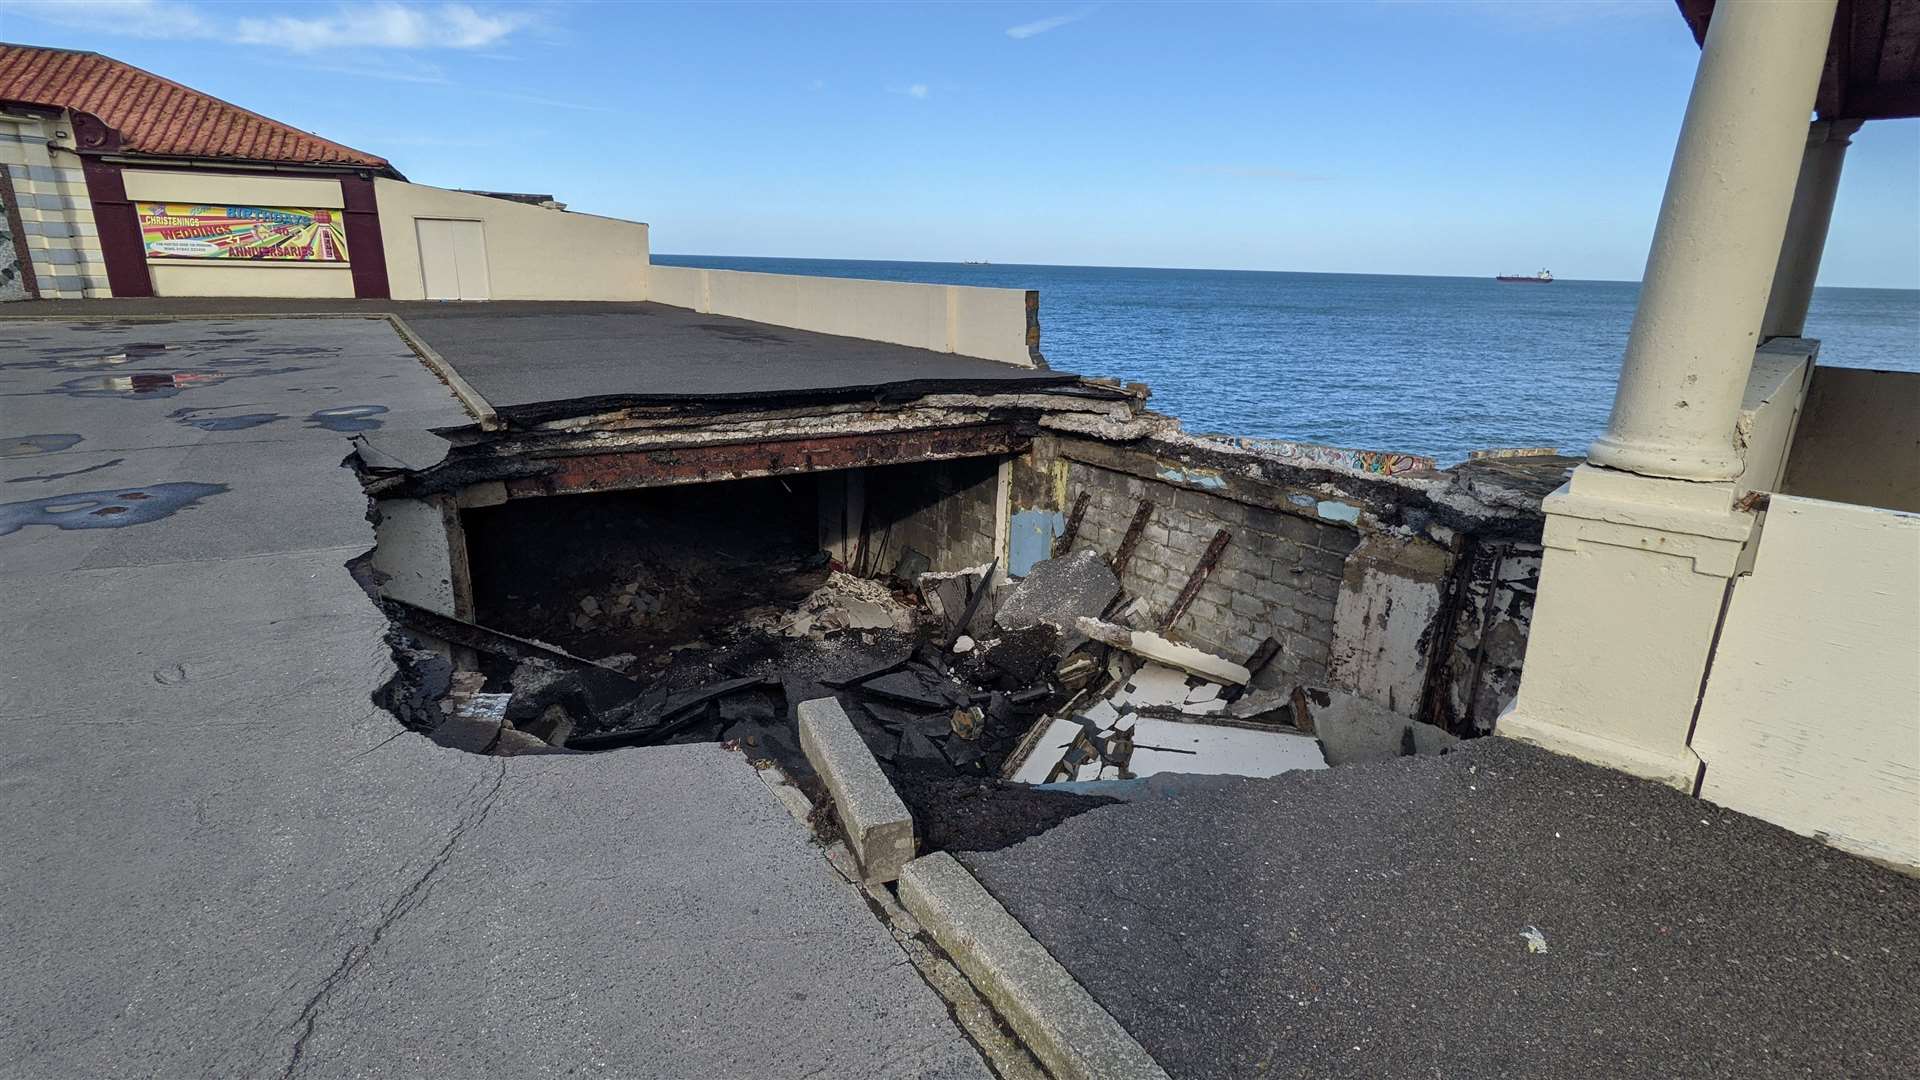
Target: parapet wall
[992,324]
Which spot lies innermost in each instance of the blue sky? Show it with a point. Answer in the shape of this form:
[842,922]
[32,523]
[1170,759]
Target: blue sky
[1423,138]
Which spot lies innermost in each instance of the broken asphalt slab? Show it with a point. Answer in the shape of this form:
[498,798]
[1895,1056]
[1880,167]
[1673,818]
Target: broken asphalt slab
[1372,921]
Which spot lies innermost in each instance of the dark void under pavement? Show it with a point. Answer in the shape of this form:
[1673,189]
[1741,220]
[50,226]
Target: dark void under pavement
[1368,922]
[683,589]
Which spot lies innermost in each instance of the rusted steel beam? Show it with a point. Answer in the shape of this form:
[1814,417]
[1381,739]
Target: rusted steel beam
[1198,578]
[1064,542]
[1132,539]
[622,470]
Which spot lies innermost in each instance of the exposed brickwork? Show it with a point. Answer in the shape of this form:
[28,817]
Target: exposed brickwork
[1279,576]
[942,509]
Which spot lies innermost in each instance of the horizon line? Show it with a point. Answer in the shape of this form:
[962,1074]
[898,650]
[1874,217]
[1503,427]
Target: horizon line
[1205,269]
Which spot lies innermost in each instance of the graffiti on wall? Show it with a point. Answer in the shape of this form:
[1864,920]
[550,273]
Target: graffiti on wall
[1374,462]
[278,233]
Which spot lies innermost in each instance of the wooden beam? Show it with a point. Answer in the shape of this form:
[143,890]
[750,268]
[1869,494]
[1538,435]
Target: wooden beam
[1132,539]
[1196,579]
[1064,542]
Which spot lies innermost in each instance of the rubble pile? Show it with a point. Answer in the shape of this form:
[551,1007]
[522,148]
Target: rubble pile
[968,690]
[844,602]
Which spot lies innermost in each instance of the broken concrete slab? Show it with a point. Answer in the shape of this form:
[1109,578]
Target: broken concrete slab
[879,829]
[1151,646]
[1058,591]
[400,450]
[1177,746]
[1054,1015]
[1353,730]
[949,595]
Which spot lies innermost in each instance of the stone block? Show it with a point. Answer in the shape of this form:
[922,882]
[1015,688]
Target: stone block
[877,824]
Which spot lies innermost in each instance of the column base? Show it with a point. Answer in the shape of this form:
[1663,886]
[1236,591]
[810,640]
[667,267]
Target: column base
[1674,768]
[1676,462]
[1631,591]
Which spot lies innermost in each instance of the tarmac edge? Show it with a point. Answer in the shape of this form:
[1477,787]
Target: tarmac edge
[478,406]
[1061,1023]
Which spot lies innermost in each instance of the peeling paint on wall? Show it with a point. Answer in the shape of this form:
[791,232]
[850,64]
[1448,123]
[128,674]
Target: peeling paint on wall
[1196,477]
[1337,511]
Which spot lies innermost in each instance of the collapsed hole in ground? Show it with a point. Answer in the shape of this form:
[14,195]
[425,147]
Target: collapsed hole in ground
[707,612]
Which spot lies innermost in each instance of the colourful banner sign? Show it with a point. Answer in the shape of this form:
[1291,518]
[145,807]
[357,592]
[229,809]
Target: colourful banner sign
[187,231]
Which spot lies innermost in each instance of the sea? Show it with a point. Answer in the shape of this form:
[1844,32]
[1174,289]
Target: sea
[1436,366]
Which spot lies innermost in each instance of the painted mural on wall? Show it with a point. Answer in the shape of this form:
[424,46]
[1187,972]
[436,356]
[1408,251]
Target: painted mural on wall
[276,233]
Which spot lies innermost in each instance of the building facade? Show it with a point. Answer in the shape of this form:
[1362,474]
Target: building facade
[122,183]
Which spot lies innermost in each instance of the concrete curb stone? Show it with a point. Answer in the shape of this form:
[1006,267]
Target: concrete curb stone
[1071,1034]
[879,828]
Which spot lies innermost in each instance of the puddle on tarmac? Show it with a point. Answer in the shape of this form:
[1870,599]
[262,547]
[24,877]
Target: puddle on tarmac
[110,509]
[29,445]
[347,418]
[159,384]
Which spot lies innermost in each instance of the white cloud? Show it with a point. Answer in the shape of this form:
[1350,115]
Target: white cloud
[387,24]
[384,25]
[918,90]
[1041,26]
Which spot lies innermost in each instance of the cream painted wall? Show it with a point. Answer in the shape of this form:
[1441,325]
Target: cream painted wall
[56,214]
[532,253]
[221,189]
[1811,717]
[1859,440]
[239,278]
[970,321]
[1771,411]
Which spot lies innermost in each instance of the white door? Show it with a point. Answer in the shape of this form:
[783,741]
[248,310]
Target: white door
[453,259]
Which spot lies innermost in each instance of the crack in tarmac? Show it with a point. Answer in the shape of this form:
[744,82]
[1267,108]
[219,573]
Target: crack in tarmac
[409,899]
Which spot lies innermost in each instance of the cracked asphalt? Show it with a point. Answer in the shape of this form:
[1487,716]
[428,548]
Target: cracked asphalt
[217,858]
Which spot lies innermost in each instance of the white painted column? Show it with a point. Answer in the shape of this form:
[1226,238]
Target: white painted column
[1807,225]
[1717,241]
[1642,545]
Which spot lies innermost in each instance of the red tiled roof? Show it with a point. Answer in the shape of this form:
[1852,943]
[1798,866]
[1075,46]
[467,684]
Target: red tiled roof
[158,116]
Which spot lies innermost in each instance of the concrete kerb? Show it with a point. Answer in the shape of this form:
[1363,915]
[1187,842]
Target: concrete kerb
[1071,1034]
[470,399]
[879,828]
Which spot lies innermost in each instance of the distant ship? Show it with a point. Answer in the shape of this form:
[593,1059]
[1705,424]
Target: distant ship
[1544,277]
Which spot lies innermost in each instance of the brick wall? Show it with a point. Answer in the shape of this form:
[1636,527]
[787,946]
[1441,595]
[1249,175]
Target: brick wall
[1278,576]
[942,509]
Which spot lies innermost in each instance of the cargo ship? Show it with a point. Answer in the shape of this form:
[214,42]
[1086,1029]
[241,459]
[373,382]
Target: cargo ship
[1544,277]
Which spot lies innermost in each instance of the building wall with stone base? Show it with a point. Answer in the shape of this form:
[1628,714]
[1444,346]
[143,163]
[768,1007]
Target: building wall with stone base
[56,215]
